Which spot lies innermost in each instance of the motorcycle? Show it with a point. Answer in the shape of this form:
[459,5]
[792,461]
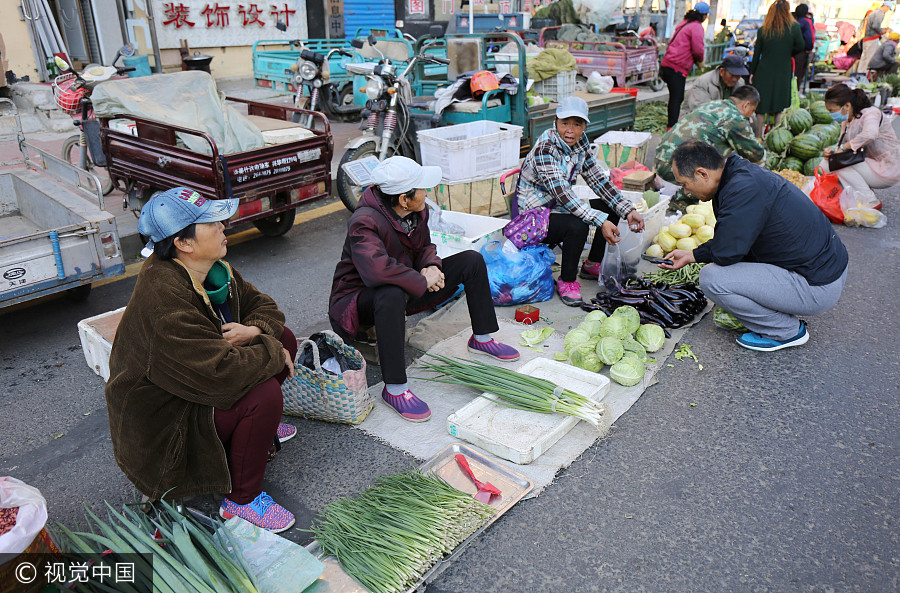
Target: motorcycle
[387,126]
[312,73]
[72,91]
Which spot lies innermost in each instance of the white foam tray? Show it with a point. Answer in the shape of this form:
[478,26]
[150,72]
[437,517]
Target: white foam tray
[520,436]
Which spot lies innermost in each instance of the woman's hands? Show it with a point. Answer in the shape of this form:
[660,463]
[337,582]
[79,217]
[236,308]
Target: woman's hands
[610,232]
[239,335]
[288,362]
[434,277]
[635,221]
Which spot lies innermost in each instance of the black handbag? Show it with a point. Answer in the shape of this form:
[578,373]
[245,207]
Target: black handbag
[845,158]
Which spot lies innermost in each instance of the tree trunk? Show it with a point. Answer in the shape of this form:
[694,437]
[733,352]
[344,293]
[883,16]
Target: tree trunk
[679,9]
[644,20]
[713,20]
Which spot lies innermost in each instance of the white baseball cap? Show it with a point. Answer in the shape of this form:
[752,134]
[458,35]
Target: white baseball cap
[573,107]
[398,174]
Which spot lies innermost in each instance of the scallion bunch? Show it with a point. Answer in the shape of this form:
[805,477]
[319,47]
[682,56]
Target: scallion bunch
[516,390]
[187,558]
[389,535]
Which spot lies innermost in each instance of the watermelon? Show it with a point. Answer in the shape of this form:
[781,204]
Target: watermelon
[772,162]
[778,140]
[820,113]
[806,146]
[809,167]
[792,163]
[799,121]
[822,131]
[835,133]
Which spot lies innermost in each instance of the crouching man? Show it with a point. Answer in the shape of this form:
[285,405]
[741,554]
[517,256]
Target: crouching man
[774,255]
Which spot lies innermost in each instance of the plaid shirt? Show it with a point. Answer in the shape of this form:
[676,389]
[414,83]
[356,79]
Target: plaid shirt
[551,167]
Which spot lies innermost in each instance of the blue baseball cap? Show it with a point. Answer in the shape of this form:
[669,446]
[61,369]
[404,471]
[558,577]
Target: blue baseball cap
[174,209]
[702,7]
[573,107]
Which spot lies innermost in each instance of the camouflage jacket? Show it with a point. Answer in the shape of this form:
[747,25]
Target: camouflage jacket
[719,123]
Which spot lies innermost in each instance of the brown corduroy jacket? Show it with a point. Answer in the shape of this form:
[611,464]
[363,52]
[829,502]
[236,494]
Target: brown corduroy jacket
[170,367]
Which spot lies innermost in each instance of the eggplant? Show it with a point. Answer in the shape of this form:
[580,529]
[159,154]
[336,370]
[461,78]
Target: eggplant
[665,304]
[643,292]
[590,307]
[647,318]
[621,300]
[658,311]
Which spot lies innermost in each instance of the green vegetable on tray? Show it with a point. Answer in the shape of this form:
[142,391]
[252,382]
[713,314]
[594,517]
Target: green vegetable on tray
[518,391]
[392,533]
[689,273]
[187,557]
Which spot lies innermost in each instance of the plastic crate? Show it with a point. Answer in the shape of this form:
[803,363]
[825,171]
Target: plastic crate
[556,88]
[518,435]
[479,230]
[97,334]
[472,151]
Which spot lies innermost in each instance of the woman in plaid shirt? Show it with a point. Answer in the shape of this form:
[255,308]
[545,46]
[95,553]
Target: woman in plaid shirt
[559,155]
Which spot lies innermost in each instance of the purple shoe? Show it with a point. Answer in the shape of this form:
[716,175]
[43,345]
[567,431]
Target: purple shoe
[407,405]
[494,349]
[262,511]
[286,432]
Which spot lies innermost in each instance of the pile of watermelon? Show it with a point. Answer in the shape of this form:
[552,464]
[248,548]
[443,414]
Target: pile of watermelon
[797,143]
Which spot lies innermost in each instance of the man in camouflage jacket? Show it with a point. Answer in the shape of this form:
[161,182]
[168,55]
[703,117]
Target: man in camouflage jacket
[724,124]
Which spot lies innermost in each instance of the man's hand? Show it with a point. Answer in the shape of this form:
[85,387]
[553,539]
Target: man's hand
[680,258]
[610,232]
[288,362]
[239,335]
[635,221]
[434,277]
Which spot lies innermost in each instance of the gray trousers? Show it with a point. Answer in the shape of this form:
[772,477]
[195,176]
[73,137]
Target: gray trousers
[767,299]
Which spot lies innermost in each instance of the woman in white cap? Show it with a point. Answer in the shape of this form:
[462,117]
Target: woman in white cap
[389,268]
[194,392]
[548,172]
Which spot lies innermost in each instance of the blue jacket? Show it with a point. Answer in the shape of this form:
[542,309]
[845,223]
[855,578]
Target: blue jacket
[763,218]
[806,28]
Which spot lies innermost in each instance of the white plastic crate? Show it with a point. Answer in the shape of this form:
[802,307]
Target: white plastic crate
[479,231]
[97,334]
[473,151]
[556,87]
[521,436]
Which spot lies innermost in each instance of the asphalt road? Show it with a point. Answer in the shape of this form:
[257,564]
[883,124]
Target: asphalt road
[762,472]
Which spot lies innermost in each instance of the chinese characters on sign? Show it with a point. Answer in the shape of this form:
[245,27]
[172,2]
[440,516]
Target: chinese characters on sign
[222,23]
[416,6]
[335,18]
[447,6]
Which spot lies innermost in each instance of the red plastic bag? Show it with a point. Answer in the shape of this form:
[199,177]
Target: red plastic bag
[826,194]
[618,174]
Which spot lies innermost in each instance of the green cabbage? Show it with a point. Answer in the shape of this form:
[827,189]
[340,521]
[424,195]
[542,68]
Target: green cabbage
[533,337]
[726,320]
[631,315]
[615,326]
[650,337]
[597,315]
[591,326]
[628,371]
[609,350]
[584,357]
[575,337]
[634,347]
[561,355]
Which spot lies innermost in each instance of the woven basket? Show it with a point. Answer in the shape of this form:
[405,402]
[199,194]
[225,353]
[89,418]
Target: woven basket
[320,395]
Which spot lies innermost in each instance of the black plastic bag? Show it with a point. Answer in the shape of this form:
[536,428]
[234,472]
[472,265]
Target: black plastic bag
[327,349]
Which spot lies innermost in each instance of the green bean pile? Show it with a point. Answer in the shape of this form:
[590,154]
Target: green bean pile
[689,273]
[393,532]
[651,117]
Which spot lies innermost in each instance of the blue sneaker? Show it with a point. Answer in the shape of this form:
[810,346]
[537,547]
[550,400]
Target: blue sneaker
[262,511]
[754,341]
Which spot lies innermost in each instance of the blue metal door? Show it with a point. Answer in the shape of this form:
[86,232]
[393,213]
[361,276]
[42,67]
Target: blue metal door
[375,14]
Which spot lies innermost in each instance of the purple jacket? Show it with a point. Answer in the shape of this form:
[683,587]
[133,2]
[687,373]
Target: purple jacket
[685,47]
[377,252]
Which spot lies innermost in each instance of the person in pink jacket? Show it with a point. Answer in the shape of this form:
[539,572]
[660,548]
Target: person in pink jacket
[685,49]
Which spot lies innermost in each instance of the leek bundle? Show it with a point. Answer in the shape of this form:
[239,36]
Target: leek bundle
[515,390]
[393,532]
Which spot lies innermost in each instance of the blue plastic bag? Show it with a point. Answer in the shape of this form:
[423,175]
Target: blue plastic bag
[518,278]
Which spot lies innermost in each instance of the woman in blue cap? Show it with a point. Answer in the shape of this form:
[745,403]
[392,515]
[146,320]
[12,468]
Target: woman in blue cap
[194,392]
[390,268]
[685,49]
[548,172]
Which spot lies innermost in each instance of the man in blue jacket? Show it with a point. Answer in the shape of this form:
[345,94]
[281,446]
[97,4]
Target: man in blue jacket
[774,255]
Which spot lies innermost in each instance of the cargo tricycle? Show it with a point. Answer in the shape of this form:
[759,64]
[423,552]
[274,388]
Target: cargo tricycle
[55,235]
[146,156]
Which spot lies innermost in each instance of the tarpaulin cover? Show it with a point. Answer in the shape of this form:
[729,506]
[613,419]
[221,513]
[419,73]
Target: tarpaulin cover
[188,99]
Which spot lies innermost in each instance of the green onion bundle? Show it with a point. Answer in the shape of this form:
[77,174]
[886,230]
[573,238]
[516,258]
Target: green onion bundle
[187,558]
[393,532]
[515,390]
